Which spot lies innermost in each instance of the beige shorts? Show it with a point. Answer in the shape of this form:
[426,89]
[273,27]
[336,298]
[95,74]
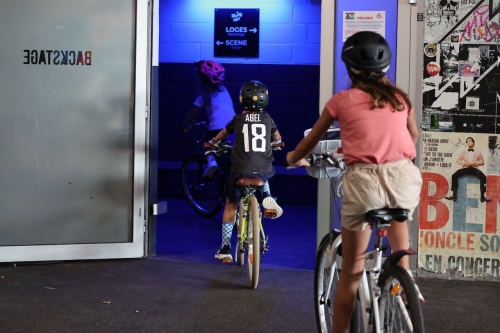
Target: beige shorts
[373,186]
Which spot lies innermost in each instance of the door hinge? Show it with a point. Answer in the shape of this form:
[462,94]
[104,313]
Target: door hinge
[146,112]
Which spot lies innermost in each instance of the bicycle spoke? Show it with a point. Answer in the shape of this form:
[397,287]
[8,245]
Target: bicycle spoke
[399,306]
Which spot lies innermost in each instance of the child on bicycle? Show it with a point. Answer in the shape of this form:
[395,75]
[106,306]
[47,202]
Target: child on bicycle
[379,134]
[252,155]
[218,104]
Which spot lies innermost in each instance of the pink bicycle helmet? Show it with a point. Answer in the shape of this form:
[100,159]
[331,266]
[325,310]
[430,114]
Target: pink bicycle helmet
[212,70]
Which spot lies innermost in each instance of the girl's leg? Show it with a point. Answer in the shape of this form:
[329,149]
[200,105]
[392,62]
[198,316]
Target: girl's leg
[354,244]
[398,236]
[266,189]
[229,211]
[211,166]
[224,252]
[272,209]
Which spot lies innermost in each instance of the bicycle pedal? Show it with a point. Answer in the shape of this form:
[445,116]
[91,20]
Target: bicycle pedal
[226,260]
[270,213]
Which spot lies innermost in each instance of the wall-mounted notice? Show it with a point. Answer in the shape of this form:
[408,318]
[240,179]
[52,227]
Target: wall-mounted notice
[355,21]
[236,32]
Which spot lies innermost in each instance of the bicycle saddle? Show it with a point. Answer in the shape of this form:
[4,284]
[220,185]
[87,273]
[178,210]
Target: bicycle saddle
[387,214]
[250,182]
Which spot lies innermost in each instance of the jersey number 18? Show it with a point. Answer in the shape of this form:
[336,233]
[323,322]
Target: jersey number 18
[258,139]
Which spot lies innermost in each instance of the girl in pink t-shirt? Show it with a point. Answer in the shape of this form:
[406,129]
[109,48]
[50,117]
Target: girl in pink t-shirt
[379,133]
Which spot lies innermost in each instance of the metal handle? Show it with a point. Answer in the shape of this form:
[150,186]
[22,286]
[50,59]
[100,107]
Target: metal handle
[159,208]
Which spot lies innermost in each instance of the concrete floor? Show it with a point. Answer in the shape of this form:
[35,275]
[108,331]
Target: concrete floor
[184,289]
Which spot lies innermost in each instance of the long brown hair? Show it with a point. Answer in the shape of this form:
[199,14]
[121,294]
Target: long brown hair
[208,89]
[382,91]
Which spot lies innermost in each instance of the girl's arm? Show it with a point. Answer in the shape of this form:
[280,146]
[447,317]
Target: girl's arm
[277,135]
[412,128]
[190,117]
[221,135]
[306,146]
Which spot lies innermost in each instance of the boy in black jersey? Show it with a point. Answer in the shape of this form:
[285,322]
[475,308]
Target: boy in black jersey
[252,155]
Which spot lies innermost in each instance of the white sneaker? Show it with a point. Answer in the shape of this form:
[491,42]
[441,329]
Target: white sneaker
[270,204]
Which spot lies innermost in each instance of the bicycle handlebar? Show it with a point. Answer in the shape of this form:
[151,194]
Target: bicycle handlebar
[223,147]
[333,158]
[277,145]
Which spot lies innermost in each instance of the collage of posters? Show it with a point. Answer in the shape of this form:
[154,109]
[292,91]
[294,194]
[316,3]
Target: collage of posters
[460,135]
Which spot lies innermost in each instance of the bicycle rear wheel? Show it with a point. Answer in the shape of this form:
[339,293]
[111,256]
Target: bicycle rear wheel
[328,261]
[399,306]
[253,256]
[203,196]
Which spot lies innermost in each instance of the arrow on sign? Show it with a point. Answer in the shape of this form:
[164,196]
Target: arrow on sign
[219,43]
[254,30]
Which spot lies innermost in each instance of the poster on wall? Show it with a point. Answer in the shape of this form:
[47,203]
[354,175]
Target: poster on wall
[458,216]
[236,32]
[355,21]
[459,204]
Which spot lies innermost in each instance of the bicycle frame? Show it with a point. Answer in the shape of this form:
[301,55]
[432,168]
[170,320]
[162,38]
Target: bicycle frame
[369,291]
[243,220]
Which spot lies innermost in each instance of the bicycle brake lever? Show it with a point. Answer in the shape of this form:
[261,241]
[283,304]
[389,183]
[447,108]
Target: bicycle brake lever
[329,160]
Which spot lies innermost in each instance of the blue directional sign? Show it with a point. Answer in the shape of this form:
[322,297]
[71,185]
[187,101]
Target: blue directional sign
[236,32]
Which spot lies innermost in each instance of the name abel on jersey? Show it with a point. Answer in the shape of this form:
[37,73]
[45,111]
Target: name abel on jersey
[253,117]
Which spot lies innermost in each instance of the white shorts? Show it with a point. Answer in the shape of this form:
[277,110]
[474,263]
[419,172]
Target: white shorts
[373,186]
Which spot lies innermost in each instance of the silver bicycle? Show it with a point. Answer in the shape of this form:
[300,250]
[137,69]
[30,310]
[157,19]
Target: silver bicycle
[387,300]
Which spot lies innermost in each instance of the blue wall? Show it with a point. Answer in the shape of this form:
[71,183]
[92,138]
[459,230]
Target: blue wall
[293,101]
[289,31]
[288,64]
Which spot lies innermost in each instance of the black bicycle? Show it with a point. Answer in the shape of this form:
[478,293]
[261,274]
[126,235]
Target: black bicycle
[206,195]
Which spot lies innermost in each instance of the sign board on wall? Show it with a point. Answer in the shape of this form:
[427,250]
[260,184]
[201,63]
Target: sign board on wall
[355,21]
[236,32]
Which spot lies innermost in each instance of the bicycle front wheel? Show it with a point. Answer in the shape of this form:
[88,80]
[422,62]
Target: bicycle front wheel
[203,196]
[399,306]
[328,261]
[253,256]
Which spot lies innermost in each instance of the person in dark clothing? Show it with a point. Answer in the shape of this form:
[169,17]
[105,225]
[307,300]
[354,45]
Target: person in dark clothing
[252,155]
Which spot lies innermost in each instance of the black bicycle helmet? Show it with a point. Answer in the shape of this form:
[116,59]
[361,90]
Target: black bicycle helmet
[254,96]
[367,52]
